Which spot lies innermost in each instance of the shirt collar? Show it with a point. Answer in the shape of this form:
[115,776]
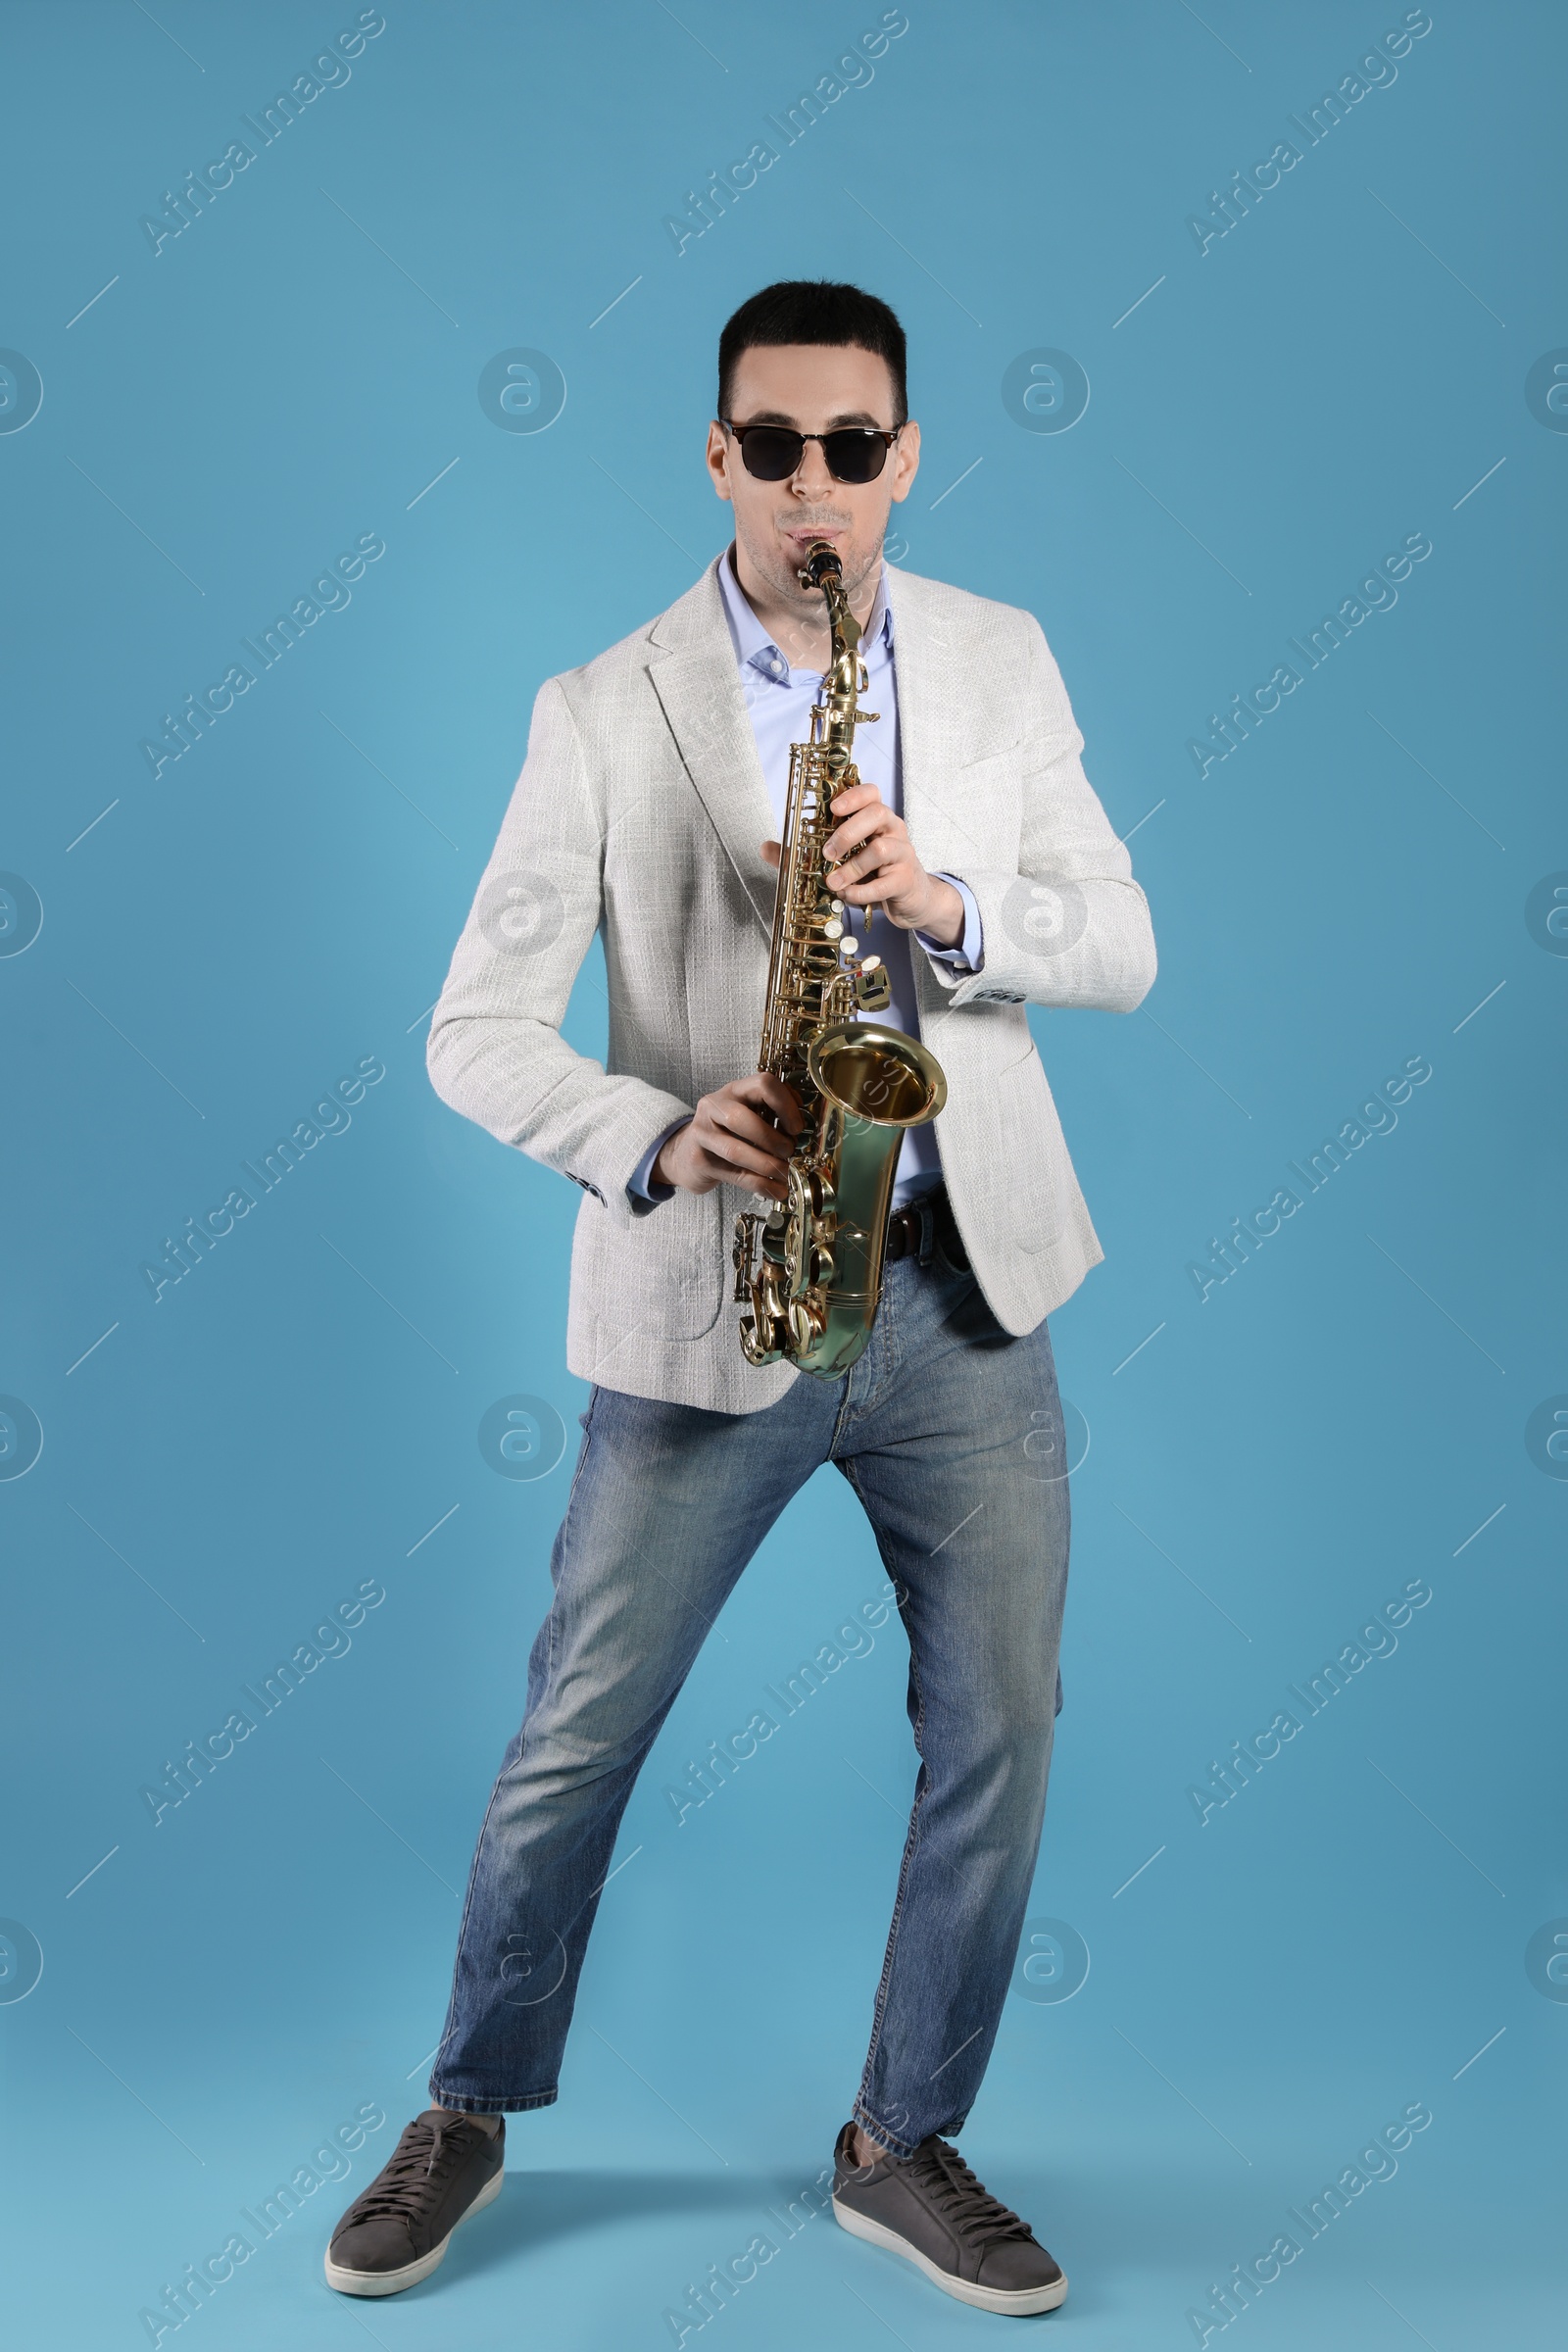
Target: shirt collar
[752,642]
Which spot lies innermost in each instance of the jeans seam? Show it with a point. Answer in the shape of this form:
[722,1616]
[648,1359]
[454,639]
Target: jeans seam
[876,2129]
[462,1928]
[543,2099]
[851,1407]
[887,1340]
[514,2106]
[910,1844]
[566,1523]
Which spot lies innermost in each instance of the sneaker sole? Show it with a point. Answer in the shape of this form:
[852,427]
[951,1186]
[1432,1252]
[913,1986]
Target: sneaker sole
[393,2282]
[1018,2301]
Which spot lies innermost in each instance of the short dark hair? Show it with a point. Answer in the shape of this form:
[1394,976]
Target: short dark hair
[814,310]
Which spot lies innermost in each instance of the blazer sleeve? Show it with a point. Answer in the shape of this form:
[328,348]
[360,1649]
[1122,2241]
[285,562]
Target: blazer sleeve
[1070,926]
[495,1049]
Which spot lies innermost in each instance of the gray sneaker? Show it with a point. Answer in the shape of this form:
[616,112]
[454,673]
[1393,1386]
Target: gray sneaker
[395,2232]
[930,2208]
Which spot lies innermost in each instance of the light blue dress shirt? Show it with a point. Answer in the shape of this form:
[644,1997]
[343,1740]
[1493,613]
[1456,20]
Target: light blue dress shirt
[778,701]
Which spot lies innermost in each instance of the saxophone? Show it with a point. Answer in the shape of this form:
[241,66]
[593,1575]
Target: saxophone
[809,1272]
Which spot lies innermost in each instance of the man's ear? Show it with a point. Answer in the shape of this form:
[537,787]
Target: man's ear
[906,462]
[717,457]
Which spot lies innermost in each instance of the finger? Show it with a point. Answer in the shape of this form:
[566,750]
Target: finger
[883,890]
[738,1163]
[735,1125]
[862,859]
[718,1171]
[870,867]
[879,862]
[855,796]
[772,854]
[761,1087]
[856,809]
[885,847]
[867,826]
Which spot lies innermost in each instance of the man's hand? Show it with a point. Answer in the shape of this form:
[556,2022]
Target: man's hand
[732,1137]
[879,867]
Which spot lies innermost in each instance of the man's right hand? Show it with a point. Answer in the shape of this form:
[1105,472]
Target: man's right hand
[731,1138]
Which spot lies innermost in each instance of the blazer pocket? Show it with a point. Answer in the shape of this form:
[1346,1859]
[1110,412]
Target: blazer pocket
[666,1274]
[1010,753]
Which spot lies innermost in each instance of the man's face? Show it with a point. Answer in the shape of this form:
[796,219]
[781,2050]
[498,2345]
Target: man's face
[813,387]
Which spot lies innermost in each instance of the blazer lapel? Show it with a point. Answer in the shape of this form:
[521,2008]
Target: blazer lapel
[695,676]
[946,826]
[693,671]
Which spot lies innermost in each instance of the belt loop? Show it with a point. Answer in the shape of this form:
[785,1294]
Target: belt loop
[928,1228]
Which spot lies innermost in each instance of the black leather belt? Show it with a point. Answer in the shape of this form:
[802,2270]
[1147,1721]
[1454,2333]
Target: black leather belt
[909,1225]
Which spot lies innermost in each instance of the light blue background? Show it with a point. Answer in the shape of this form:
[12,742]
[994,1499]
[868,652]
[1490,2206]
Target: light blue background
[1279,413]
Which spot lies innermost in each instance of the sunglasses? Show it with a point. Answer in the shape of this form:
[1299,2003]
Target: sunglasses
[771,453]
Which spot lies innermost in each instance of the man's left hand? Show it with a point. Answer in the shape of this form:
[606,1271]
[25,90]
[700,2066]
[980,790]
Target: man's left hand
[879,867]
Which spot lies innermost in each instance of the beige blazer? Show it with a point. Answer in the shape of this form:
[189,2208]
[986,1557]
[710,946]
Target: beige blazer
[638,814]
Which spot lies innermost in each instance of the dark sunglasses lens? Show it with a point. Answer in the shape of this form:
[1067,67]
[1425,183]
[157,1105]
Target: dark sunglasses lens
[771,452]
[855,455]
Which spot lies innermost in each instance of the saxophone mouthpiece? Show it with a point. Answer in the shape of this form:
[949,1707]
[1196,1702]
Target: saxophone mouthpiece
[821,563]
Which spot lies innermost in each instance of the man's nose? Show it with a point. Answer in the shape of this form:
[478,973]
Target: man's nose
[812,478]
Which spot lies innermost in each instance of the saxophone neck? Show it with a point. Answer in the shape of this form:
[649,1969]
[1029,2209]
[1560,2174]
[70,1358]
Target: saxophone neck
[841,620]
[840,679]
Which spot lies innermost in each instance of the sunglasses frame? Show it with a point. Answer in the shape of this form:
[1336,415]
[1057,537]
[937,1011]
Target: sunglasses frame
[738,432]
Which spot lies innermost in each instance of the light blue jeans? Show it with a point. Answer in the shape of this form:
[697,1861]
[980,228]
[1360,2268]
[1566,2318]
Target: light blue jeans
[950,1433]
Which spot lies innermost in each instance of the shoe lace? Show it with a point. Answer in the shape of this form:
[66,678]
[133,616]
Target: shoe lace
[420,2166]
[963,2200]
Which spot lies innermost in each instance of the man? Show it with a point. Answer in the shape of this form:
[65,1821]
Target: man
[649,809]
